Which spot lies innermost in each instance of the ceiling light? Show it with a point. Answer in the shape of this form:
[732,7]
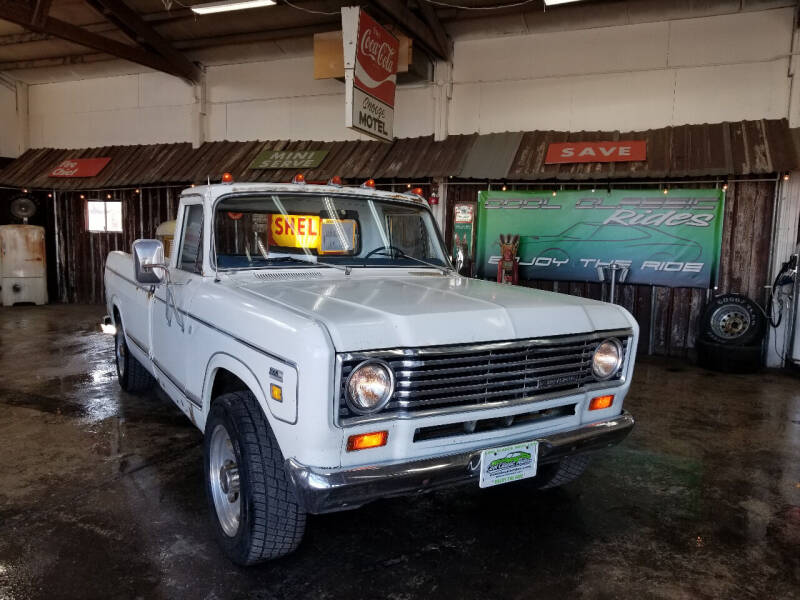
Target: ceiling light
[554,2]
[217,7]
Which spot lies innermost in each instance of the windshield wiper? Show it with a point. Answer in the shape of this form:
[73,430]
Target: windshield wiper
[400,253]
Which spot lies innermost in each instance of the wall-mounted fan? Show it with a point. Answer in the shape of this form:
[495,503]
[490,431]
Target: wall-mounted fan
[23,208]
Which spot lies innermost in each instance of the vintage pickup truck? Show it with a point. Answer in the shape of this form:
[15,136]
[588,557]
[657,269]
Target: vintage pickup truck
[319,337]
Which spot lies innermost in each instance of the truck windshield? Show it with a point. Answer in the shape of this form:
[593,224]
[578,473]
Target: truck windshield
[286,230]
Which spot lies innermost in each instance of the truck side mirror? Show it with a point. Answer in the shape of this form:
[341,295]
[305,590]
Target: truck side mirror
[148,262]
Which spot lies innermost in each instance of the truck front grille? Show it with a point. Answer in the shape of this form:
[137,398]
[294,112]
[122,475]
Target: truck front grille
[477,375]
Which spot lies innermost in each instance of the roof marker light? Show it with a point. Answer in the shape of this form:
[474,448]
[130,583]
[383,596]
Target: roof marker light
[417,191]
[227,178]
[369,183]
[299,179]
[335,181]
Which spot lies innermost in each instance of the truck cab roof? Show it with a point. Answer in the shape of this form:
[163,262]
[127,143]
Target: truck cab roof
[215,190]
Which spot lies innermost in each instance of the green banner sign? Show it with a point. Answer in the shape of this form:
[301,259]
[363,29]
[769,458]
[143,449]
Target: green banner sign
[671,239]
[288,159]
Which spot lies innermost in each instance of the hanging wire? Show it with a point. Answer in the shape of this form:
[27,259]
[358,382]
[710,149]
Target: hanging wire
[485,8]
[309,10]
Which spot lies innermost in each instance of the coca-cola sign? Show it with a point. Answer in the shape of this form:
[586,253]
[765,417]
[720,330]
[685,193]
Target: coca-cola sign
[371,60]
[79,167]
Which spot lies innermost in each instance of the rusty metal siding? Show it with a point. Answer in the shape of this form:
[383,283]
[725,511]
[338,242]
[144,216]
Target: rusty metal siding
[743,148]
[721,149]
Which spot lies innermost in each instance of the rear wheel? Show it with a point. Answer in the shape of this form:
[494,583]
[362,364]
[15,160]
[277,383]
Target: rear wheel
[255,512]
[567,471]
[132,376]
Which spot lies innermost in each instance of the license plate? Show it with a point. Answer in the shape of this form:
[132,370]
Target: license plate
[508,463]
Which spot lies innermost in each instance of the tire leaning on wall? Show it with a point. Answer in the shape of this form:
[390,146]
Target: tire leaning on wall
[733,320]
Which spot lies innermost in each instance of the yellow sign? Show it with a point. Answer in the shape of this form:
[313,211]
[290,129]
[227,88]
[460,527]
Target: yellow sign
[294,231]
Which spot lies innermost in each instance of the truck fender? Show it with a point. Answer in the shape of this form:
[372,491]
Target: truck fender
[223,360]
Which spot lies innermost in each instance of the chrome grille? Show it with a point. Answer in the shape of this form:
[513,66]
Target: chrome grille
[471,375]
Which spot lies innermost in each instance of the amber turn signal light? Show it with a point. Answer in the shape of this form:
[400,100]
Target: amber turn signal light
[362,441]
[600,402]
[276,392]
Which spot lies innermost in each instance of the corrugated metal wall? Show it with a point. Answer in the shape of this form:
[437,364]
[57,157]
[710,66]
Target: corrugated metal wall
[668,316]
[82,254]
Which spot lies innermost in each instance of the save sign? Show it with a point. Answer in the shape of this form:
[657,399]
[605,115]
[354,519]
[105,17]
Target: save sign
[370,67]
[662,239]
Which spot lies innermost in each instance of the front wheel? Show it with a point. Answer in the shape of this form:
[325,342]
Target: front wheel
[255,512]
[568,470]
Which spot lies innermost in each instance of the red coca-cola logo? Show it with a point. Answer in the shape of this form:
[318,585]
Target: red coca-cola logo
[378,50]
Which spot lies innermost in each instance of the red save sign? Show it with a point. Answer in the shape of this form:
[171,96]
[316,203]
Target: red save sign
[377,53]
[80,167]
[584,152]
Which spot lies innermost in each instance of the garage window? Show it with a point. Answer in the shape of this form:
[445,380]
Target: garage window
[104,216]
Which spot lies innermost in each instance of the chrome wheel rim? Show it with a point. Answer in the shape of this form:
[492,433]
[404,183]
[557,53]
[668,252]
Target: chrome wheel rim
[223,478]
[730,322]
[121,351]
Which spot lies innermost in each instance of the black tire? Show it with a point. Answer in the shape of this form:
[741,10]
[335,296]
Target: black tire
[270,521]
[728,359]
[132,376]
[567,471]
[733,319]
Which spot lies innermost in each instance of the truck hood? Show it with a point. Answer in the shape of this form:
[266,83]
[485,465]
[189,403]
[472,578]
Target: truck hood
[369,313]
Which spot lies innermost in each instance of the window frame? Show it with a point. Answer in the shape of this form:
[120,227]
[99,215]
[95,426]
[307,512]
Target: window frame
[105,204]
[198,268]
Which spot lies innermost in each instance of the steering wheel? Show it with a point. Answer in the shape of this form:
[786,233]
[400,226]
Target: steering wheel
[398,252]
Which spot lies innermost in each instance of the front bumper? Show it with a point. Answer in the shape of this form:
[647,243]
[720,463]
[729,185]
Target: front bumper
[328,490]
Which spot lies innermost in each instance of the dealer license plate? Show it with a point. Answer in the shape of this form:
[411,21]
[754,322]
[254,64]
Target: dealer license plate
[509,463]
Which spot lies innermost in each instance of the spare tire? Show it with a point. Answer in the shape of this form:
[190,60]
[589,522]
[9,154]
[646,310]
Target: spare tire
[734,320]
[726,358]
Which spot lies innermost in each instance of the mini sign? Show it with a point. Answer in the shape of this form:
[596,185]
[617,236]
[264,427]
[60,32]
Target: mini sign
[370,66]
[586,152]
[288,159]
[80,167]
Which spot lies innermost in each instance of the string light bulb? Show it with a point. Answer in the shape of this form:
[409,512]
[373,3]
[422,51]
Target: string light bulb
[666,191]
[504,188]
[786,176]
[724,187]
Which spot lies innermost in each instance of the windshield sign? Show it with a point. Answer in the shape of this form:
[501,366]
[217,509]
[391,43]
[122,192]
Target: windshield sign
[291,231]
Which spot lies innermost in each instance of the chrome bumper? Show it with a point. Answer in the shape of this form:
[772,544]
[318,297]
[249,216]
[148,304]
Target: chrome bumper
[328,490]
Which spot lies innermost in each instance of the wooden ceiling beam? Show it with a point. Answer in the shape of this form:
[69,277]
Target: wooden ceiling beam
[412,25]
[440,33]
[22,14]
[132,24]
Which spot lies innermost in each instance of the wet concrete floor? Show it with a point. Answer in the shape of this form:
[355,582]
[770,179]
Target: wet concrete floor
[101,496]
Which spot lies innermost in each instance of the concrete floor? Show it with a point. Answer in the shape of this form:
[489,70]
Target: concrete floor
[101,496]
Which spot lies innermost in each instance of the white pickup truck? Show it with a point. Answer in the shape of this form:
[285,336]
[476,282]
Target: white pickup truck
[321,340]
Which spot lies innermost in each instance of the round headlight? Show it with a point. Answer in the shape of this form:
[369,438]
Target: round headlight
[369,386]
[607,358]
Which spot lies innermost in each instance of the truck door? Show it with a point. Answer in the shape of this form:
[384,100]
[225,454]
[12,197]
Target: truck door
[169,318]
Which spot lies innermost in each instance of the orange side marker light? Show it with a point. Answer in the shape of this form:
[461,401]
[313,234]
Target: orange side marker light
[601,402]
[363,441]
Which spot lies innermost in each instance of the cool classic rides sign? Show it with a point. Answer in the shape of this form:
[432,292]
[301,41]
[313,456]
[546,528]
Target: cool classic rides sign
[370,67]
[669,239]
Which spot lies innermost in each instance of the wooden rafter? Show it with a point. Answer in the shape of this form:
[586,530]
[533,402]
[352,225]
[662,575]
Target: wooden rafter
[22,14]
[432,20]
[141,32]
[412,25]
